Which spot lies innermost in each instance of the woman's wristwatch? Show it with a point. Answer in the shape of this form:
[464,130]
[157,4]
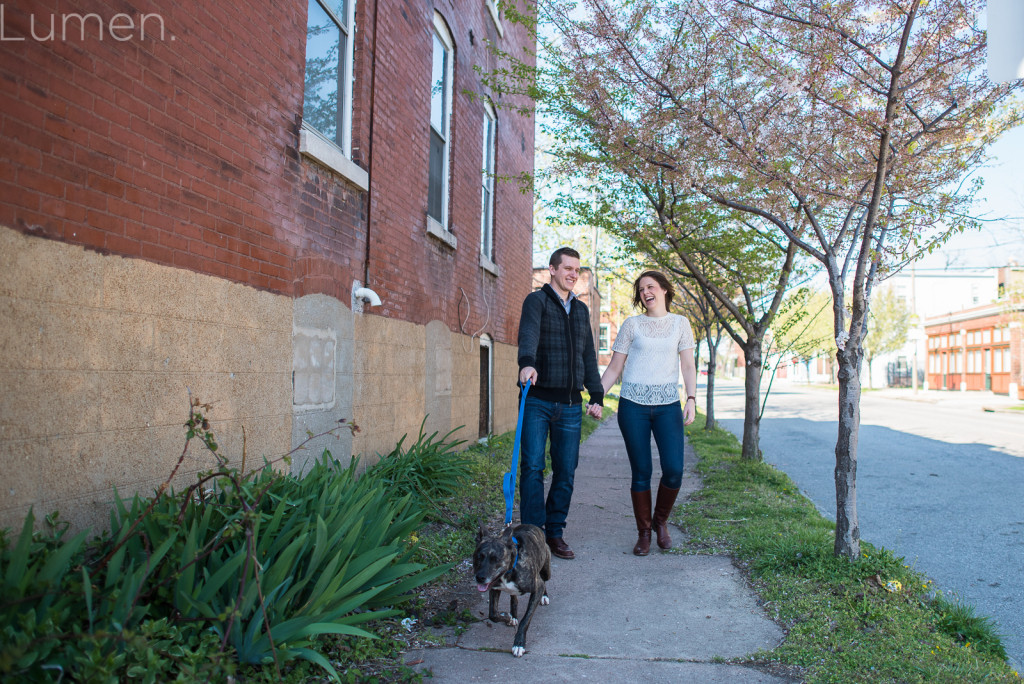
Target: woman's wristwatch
[688,398]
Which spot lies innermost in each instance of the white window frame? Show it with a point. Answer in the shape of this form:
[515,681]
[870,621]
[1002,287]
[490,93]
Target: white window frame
[487,174]
[440,229]
[315,144]
[492,9]
[604,330]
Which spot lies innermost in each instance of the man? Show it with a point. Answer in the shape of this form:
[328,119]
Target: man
[557,355]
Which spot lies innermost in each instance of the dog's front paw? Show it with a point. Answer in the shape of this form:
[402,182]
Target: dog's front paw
[544,600]
[518,651]
[505,618]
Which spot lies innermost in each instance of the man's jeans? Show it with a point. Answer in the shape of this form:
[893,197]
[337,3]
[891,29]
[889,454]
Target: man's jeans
[637,422]
[563,422]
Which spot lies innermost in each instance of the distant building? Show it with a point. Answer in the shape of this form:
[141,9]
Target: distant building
[927,293]
[980,348]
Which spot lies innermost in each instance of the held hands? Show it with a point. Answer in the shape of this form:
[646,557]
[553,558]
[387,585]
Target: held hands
[528,373]
[689,411]
[595,411]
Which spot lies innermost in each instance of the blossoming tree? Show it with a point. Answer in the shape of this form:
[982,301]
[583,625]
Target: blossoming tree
[847,127]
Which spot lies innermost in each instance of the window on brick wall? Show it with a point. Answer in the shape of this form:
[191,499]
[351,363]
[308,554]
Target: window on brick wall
[440,130]
[602,334]
[495,12]
[326,133]
[487,184]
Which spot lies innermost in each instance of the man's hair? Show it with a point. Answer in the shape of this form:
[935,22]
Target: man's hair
[556,256]
[659,278]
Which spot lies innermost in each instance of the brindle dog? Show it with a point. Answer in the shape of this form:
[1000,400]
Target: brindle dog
[518,562]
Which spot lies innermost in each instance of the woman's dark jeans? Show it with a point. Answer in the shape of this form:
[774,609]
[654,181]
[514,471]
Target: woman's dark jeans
[564,423]
[637,422]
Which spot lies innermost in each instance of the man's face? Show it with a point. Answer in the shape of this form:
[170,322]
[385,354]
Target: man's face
[563,276]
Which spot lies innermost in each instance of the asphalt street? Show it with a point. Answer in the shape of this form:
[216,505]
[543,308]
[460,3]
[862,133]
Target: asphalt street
[940,481]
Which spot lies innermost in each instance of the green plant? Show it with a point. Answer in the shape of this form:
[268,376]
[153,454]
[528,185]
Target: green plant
[431,470]
[258,567]
[961,622]
[33,602]
[302,559]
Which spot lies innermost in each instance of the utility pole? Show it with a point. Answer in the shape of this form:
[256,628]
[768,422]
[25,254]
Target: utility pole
[915,319]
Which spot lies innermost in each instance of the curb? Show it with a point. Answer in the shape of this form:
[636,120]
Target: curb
[992,409]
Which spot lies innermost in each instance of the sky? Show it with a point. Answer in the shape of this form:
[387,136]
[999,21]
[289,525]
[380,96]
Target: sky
[998,241]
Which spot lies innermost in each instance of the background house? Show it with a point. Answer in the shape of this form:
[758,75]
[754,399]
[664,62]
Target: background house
[928,293]
[189,198]
[981,347]
[964,333]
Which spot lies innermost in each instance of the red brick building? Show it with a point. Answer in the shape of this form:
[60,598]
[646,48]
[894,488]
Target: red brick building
[190,196]
[977,349]
[981,348]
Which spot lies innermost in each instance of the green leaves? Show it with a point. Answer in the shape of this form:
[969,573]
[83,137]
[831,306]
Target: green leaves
[430,470]
[259,567]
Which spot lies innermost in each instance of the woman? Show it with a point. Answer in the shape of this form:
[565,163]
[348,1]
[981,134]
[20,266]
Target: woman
[648,352]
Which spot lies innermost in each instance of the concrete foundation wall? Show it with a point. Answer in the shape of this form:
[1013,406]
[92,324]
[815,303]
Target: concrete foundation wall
[506,396]
[98,354]
[322,357]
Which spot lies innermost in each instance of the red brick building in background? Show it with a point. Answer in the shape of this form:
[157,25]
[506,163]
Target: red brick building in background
[981,348]
[189,199]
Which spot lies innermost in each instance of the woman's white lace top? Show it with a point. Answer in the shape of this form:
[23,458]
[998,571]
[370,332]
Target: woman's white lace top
[652,346]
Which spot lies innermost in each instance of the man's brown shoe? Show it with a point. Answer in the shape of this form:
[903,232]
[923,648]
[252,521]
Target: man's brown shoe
[559,548]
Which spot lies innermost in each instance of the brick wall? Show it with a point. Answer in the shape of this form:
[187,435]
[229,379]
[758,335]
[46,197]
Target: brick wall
[181,148]
[173,150]
[427,280]
[161,235]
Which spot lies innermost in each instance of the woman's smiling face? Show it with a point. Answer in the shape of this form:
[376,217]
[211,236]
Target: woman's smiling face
[652,295]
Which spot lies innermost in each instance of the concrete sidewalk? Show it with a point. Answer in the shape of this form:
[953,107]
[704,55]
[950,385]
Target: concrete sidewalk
[613,616]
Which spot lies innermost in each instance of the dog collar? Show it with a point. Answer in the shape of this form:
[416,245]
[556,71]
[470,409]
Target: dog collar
[515,543]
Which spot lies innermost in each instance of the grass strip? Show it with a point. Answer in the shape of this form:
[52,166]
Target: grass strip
[870,620]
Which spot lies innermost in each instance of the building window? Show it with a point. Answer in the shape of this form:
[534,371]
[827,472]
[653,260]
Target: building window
[487,184]
[603,338]
[495,12]
[326,133]
[440,127]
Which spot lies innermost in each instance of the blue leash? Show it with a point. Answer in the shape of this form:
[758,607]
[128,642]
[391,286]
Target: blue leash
[508,483]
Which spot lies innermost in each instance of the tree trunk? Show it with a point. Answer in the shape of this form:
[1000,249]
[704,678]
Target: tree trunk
[709,394]
[752,400]
[847,527]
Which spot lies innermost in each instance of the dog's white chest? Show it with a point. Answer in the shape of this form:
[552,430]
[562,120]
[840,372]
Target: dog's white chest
[510,587]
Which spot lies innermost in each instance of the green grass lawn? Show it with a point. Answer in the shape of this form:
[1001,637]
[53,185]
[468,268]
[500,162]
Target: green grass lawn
[870,620]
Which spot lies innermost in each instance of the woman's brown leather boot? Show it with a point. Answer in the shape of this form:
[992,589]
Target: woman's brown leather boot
[642,513]
[666,500]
